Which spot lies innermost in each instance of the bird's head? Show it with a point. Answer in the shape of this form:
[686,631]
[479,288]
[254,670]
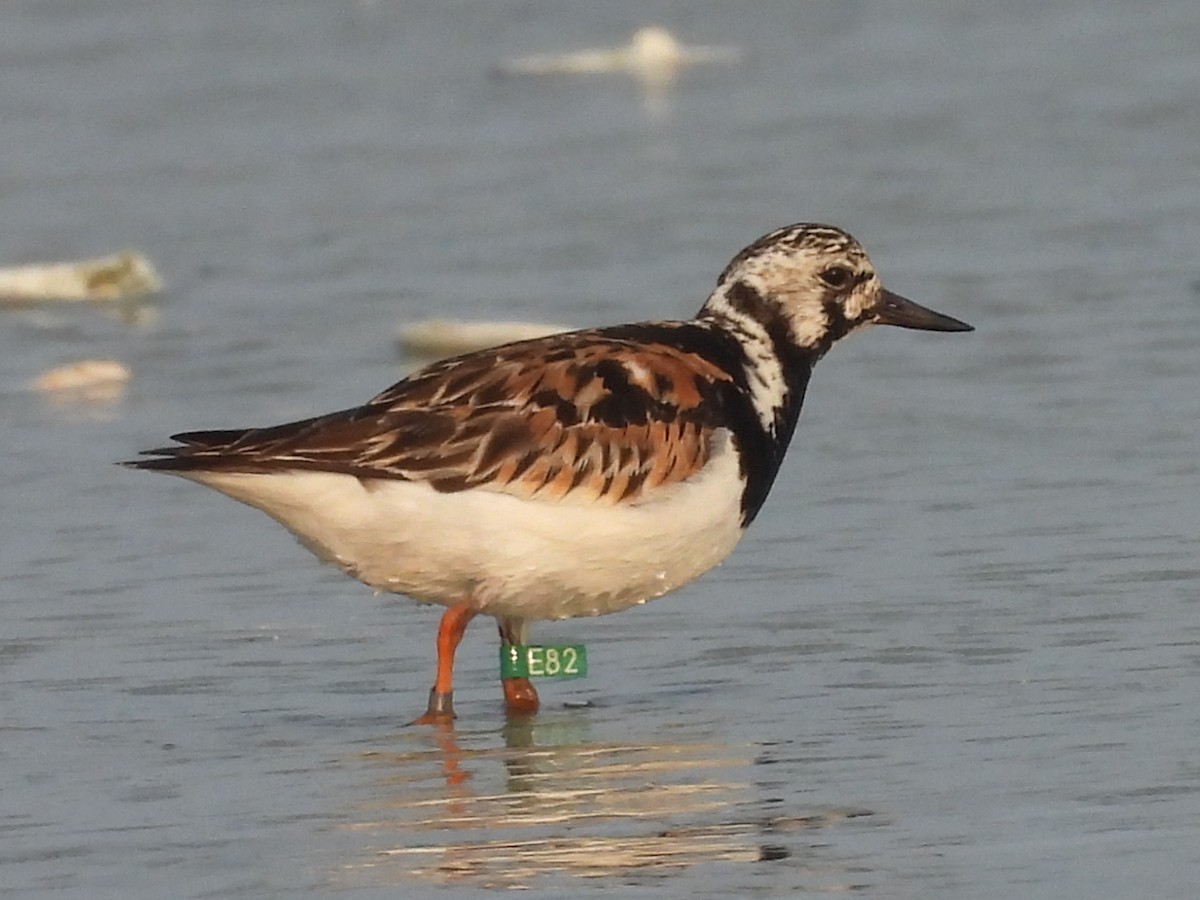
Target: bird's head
[810,285]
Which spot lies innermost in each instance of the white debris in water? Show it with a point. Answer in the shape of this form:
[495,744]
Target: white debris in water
[87,375]
[440,337]
[117,277]
[653,54]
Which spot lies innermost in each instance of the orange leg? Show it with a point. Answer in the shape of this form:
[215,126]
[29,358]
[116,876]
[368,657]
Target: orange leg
[520,697]
[450,634]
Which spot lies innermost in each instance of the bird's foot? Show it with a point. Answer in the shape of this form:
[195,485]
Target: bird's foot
[520,697]
[440,710]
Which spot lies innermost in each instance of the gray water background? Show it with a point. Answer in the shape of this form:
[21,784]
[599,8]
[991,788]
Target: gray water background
[958,655]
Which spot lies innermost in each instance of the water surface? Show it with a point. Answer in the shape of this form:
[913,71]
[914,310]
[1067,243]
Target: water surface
[955,657]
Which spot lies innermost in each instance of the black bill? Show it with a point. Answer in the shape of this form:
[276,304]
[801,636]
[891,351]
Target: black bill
[896,310]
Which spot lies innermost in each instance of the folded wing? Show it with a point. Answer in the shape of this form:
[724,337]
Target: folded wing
[585,414]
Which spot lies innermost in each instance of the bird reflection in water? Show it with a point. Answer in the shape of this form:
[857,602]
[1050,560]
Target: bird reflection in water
[552,801]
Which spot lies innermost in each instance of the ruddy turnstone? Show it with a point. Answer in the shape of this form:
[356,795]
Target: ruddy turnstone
[571,475]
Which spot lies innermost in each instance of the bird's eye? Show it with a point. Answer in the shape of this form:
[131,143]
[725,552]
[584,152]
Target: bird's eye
[836,276]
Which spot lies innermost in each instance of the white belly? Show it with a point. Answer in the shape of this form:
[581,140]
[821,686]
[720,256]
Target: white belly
[511,557]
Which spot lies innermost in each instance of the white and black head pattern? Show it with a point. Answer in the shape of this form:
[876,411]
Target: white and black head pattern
[814,280]
[787,298]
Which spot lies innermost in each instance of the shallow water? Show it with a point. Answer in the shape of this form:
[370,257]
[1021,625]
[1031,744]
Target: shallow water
[957,654]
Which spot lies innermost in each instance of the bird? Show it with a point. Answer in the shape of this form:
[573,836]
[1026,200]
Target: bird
[576,474]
